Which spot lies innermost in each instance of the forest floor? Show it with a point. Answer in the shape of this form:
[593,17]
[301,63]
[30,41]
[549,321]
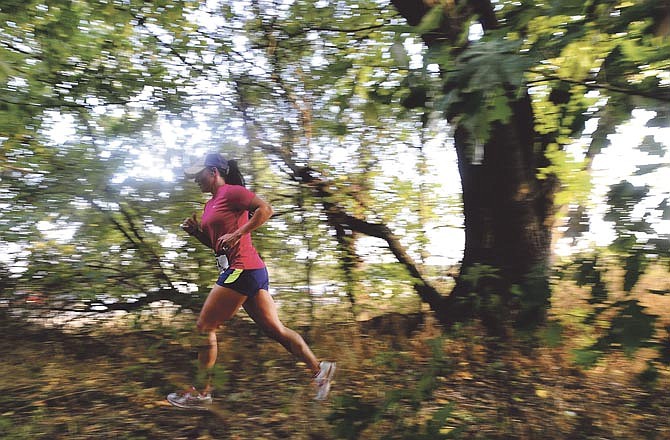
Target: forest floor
[429,385]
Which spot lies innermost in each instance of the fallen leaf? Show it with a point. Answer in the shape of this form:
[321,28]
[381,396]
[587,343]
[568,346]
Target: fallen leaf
[542,393]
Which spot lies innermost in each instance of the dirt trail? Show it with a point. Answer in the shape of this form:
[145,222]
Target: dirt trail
[56,386]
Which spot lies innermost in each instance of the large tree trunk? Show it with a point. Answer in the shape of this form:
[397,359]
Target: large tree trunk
[508,216]
[508,211]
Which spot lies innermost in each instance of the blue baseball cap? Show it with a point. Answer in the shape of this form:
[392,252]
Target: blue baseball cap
[209,160]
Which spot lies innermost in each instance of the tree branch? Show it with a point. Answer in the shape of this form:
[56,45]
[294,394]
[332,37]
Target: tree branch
[336,30]
[322,189]
[664,97]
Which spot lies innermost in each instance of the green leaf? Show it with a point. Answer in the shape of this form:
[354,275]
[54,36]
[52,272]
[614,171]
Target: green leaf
[339,68]
[438,420]
[370,113]
[646,169]
[634,267]
[665,209]
[650,146]
[621,199]
[552,334]
[632,327]
[599,293]
[500,109]
[586,357]
[586,272]
[661,119]
[399,54]
[431,20]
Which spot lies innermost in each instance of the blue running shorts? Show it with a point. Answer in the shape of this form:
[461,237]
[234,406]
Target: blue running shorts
[247,282]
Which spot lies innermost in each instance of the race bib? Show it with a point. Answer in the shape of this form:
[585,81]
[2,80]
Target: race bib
[222,262]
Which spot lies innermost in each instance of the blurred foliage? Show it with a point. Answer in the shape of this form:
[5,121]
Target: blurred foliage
[99,119]
[636,248]
[352,415]
[104,102]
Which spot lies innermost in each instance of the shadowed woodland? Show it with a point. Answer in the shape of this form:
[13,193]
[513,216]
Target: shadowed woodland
[470,215]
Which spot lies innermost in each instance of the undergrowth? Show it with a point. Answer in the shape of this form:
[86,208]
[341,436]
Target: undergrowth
[431,385]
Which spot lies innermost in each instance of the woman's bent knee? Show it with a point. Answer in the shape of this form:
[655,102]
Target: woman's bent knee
[206,327]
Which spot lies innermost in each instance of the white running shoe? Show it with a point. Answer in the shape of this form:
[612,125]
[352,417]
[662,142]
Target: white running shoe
[323,378]
[190,399]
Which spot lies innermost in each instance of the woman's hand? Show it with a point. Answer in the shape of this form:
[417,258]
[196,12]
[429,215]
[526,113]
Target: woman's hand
[191,225]
[227,241]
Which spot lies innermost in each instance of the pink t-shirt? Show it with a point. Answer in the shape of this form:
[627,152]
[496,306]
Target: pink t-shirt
[226,212]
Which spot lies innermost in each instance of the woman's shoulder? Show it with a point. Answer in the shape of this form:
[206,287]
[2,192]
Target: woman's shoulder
[238,193]
[233,189]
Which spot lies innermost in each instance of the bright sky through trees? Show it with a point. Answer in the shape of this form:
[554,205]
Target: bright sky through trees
[618,162]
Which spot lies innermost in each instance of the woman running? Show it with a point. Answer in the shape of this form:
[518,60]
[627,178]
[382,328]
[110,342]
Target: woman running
[226,228]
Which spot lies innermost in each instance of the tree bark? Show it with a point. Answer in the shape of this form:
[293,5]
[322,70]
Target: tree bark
[508,216]
[508,211]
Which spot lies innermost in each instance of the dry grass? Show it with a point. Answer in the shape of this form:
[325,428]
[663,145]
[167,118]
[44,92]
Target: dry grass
[112,385]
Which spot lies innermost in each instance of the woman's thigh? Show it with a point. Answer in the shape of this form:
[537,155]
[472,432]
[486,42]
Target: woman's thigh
[263,310]
[221,305]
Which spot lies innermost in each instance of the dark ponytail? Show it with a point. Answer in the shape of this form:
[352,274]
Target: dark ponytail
[233,175]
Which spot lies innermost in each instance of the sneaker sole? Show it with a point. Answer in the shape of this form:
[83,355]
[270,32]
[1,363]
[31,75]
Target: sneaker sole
[194,407]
